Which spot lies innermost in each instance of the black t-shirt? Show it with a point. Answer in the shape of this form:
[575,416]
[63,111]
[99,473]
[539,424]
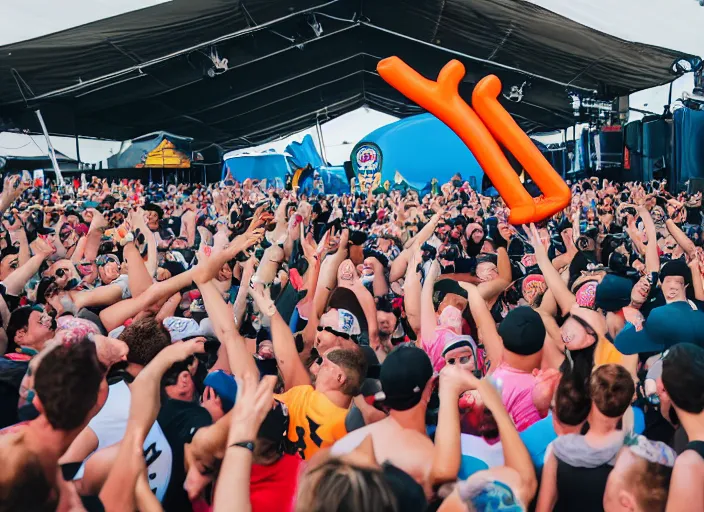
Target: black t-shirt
[180,420]
[11,375]
[581,489]
[12,301]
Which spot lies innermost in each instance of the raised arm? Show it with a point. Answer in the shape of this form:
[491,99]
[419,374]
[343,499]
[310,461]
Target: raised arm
[240,305]
[486,326]
[565,259]
[118,493]
[491,289]
[118,313]
[20,236]
[412,292]
[681,238]
[564,297]
[447,456]
[15,282]
[287,358]
[254,401]
[516,456]
[12,189]
[239,359]
[697,283]
[92,241]
[634,235]
[652,260]
[428,322]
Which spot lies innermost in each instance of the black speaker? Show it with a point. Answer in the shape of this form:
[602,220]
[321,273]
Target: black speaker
[695,185]
[349,171]
[610,148]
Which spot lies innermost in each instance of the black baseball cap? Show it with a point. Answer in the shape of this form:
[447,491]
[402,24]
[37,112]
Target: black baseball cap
[404,375]
[152,207]
[676,268]
[444,286]
[522,331]
[275,424]
[613,293]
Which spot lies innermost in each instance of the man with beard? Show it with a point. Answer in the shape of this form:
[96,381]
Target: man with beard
[387,319]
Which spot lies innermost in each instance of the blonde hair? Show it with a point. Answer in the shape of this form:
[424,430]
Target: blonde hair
[337,486]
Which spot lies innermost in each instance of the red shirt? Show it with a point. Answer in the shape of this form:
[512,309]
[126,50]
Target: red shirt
[273,488]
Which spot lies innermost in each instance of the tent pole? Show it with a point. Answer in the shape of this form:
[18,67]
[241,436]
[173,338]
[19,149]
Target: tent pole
[320,140]
[52,154]
[78,151]
[564,152]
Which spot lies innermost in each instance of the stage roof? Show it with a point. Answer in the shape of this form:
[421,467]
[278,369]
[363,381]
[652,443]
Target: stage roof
[293,62]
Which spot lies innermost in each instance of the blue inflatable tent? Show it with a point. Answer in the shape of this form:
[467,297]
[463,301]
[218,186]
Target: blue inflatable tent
[300,160]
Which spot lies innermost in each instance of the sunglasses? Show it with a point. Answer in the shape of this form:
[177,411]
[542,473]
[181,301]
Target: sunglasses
[334,332]
[460,360]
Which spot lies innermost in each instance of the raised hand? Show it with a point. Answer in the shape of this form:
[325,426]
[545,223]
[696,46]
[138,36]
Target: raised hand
[535,241]
[263,302]
[181,350]
[246,240]
[434,272]
[12,189]
[260,218]
[310,248]
[255,398]
[42,247]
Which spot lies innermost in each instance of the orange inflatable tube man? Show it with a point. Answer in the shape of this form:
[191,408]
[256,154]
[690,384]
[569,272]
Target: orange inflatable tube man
[482,128]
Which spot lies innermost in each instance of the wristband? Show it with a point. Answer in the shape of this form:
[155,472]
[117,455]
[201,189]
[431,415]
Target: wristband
[249,445]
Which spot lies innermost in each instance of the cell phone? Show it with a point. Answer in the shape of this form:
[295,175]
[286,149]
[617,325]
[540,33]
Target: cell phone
[267,366]
[629,210]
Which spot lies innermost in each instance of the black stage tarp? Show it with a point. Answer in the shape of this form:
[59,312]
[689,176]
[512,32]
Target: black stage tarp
[144,71]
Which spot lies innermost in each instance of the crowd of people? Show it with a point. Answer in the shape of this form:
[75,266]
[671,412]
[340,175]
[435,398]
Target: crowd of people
[240,347]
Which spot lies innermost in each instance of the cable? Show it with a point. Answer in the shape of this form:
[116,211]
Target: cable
[20,147]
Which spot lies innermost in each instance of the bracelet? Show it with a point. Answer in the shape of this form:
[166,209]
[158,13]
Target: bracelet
[249,445]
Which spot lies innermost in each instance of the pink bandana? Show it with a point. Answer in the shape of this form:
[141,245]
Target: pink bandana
[586,295]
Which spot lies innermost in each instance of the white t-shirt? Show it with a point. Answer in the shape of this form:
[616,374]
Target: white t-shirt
[477,447]
[124,283]
[109,426]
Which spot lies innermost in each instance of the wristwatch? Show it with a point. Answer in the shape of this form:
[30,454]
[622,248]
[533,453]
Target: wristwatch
[249,445]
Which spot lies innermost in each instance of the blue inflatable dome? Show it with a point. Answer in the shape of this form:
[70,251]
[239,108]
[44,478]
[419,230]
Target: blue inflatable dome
[413,150]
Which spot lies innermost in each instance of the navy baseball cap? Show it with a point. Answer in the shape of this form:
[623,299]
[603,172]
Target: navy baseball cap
[225,386]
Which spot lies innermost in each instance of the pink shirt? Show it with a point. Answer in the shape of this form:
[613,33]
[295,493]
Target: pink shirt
[517,395]
[435,346]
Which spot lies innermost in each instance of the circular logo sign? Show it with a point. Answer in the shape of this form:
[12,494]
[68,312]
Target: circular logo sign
[367,158]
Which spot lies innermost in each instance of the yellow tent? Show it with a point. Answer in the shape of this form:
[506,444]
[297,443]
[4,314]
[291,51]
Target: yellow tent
[166,155]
